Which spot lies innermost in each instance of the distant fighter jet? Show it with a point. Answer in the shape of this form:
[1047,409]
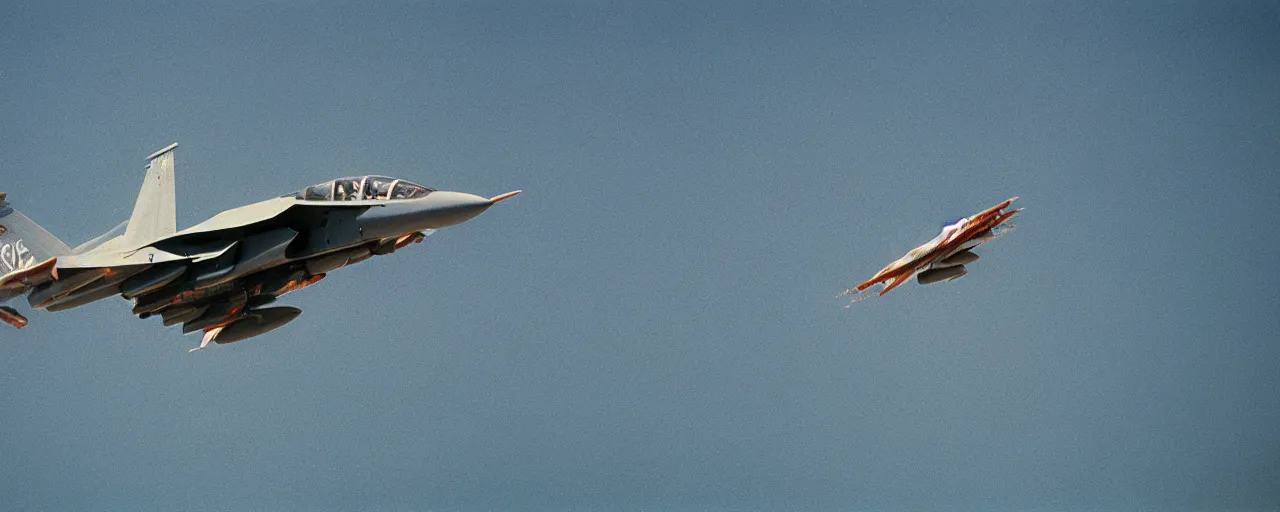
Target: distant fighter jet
[218,276]
[944,257]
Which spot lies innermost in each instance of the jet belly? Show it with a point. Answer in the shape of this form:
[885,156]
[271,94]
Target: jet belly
[274,281]
[48,292]
[338,259]
[108,286]
[151,280]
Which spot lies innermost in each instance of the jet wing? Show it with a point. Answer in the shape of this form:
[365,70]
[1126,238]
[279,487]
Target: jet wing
[18,282]
[264,211]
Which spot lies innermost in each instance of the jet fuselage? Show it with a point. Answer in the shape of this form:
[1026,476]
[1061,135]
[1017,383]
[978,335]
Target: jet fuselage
[216,276]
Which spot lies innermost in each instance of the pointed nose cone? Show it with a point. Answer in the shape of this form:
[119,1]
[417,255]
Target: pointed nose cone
[452,208]
[438,209]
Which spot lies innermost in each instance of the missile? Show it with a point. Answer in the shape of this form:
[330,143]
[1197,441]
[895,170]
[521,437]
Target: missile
[218,313]
[177,316]
[255,322]
[939,275]
[960,258]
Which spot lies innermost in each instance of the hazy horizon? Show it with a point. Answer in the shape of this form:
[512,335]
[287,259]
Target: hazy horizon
[651,325]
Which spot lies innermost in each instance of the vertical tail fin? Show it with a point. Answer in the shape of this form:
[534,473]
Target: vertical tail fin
[24,243]
[155,215]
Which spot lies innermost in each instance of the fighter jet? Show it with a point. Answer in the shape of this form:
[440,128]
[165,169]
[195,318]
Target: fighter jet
[943,258]
[219,276]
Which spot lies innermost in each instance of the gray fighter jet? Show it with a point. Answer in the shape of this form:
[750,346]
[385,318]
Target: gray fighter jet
[219,276]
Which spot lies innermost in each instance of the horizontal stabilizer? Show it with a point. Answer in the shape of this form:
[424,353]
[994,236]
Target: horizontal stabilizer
[31,276]
[12,317]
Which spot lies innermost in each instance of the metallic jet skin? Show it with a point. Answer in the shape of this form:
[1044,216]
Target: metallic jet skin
[218,276]
[436,210]
[943,258]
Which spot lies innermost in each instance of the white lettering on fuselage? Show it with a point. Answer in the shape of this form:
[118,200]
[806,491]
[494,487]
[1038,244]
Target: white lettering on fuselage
[15,256]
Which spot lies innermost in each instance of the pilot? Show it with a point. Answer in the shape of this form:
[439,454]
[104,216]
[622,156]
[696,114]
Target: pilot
[381,189]
[345,191]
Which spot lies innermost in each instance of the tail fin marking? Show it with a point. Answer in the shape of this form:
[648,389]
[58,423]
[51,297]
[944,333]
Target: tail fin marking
[24,243]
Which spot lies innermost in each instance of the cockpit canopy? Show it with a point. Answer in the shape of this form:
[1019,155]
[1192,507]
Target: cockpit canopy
[362,188]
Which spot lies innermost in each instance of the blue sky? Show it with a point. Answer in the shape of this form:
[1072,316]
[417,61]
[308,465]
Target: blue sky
[650,326]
